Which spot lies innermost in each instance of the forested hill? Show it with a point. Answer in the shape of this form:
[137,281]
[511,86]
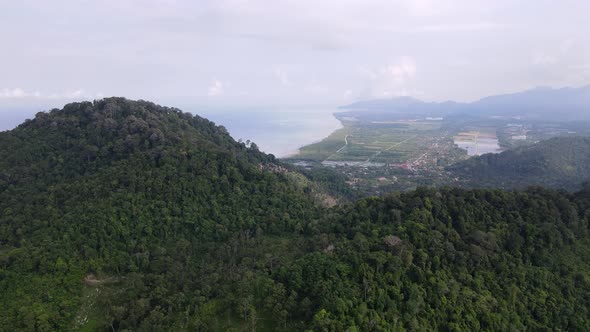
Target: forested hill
[561,162]
[83,137]
[120,216]
[452,260]
[120,188]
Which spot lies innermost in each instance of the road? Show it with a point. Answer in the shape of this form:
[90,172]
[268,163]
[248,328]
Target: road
[345,143]
[342,148]
[389,148]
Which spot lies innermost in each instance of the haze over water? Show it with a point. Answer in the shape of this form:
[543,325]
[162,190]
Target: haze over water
[277,131]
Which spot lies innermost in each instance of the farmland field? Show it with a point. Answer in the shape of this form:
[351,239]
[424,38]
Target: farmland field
[404,152]
[394,142]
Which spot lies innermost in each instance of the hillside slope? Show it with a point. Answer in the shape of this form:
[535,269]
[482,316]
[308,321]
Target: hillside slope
[451,260]
[123,215]
[561,162]
[121,190]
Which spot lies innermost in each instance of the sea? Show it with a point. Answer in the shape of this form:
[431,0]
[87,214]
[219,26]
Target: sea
[278,131]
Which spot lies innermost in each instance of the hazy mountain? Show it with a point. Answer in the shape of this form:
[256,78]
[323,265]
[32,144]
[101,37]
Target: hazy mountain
[564,104]
[558,104]
[383,109]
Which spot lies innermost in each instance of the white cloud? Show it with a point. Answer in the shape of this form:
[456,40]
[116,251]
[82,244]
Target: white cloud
[186,44]
[281,75]
[420,7]
[74,93]
[13,93]
[391,80]
[215,89]
[455,27]
[555,55]
[543,59]
[19,93]
[403,70]
[566,45]
[585,66]
[313,87]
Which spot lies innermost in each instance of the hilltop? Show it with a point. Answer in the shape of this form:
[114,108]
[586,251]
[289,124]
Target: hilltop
[125,215]
[117,187]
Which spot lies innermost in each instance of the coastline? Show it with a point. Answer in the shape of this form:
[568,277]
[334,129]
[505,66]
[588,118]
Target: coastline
[293,154]
[281,132]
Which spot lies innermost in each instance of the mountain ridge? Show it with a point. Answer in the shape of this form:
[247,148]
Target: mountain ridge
[564,103]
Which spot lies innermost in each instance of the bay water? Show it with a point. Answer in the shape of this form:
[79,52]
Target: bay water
[280,131]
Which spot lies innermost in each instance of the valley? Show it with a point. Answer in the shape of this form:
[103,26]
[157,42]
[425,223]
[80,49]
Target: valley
[400,151]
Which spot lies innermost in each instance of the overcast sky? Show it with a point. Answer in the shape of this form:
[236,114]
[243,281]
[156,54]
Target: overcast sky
[277,52]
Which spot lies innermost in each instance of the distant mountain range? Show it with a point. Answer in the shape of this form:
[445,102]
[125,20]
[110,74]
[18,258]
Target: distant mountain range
[548,103]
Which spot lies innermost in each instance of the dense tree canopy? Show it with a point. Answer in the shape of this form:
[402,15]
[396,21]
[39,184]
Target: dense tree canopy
[123,215]
[560,162]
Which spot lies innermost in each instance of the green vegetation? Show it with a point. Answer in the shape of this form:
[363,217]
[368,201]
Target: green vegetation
[561,162]
[137,194]
[122,215]
[327,147]
[391,142]
[383,152]
[383,156]
[451,260]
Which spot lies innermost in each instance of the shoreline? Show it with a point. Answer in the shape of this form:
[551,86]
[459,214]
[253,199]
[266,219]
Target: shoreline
[292,154]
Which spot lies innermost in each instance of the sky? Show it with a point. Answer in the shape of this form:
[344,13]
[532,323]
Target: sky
[287,52]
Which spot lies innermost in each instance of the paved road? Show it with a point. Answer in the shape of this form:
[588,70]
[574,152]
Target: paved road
[345,144]
[389,148]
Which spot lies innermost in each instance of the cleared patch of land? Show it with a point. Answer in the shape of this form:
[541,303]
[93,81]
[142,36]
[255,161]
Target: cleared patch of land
[327,147]
[380,143]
